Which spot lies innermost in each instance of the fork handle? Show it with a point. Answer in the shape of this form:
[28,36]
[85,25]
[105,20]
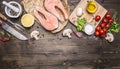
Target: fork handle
[3,17]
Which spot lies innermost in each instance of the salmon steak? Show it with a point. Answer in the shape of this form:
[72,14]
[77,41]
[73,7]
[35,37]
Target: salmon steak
[51,6]
[49,21]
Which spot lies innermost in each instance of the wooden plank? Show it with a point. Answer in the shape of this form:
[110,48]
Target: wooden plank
[60,67]
[39,62]
[43,67]
[113,6]
[115,67]
[111,2]
[79,48]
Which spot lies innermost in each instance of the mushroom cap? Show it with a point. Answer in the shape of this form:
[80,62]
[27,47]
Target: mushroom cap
[67,31]
[109,37]
[34,33]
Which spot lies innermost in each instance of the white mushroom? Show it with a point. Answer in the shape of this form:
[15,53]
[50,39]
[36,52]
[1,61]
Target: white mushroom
[67,32]
[35,34]
[109,37]
[79,12]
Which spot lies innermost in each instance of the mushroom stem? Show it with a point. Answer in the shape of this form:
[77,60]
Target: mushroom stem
[36,37]
[67,33]
[69,36]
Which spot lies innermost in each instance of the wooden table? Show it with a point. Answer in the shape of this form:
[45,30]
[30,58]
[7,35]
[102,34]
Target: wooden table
[52,51]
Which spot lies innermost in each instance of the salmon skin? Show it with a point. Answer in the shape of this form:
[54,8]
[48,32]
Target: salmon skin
[51,6]
[50,22]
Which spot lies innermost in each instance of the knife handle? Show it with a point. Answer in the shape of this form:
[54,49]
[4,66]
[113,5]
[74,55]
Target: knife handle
[1,22]
[3,17]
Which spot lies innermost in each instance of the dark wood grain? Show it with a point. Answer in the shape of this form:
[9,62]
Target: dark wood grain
[52,51]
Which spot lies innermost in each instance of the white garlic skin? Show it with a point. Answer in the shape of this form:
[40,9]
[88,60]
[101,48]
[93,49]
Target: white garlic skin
[79,12]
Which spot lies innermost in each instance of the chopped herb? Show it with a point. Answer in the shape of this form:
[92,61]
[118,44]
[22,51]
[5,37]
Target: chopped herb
[79,28]
[81,22]
[114,27]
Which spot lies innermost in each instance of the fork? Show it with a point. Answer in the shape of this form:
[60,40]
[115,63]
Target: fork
[19,27]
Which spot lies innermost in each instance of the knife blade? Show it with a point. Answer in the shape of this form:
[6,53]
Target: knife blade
[13,32]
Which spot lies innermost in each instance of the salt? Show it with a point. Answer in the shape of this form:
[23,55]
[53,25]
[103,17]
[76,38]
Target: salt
[89,29]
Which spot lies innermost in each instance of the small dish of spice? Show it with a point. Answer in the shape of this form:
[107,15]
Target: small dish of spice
[13,9]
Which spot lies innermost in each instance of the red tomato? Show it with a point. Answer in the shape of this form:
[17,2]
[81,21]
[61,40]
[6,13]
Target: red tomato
[103,25]
[105,20]
[108,16]
[105,30]
[102,32]
[98,28]
[97,18]
[110,21]
[97,33]
[108,26]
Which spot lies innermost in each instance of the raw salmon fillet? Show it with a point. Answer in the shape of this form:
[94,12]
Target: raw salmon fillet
[50,22]
[51,6]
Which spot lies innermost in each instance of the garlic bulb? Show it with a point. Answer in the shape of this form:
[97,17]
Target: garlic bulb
[79,12]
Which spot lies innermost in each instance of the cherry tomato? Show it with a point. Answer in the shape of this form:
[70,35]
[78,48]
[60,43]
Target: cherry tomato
[97,18]
[102,32]
[108,26]
[105,20]
[105,30]
[110,21]
[98,28]
[97,33]
[108,16]
[103,25]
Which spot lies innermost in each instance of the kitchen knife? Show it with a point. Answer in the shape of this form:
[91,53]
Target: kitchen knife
[13,31]
[18,26]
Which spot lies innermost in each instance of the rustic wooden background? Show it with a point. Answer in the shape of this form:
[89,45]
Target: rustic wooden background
[52,51]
